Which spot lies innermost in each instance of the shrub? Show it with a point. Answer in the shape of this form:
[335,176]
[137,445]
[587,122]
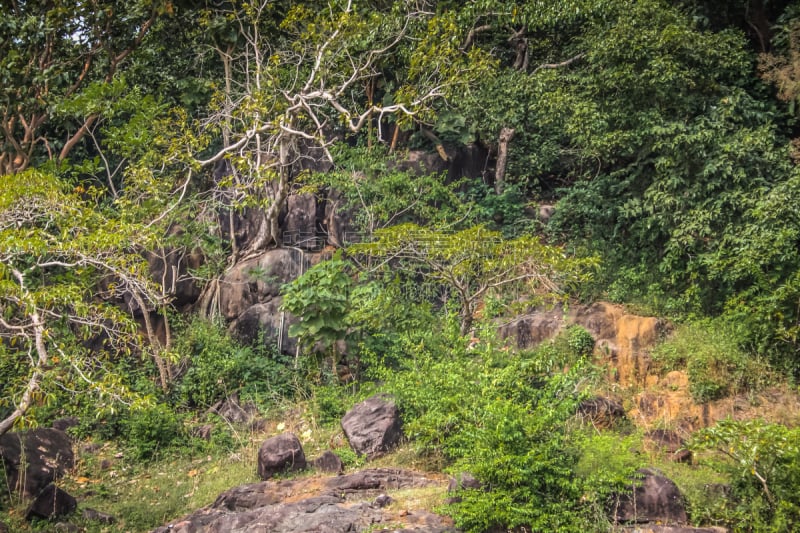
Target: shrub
[763,462]
[219,366]
[151,429]
[711,353]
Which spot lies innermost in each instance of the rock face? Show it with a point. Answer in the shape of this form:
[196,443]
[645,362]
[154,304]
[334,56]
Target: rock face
[622,338]
[603,413]
[654,498]
[373,426]
[35,459]
[670,443]
[328,462]
[328,505]
[280,454]
[52,502]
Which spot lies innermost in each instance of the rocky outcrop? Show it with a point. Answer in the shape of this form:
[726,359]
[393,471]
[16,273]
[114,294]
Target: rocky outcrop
[35,459]
[233,411]
[373,426]
[668,442]
[653,498]
[602,413]
[621,338]
[334,505]
[282,453]
[51,502]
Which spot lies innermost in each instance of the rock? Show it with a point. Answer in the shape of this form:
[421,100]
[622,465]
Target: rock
[654,498]
[300,224]
[338,221]
[463,481]
[328,462]
[51,502]
[530,330]
[67,527]
[4,528]
[279,454]
[232,411]
[670,443]
[97,516]
[321,505]
[257,280]
[45,452]
[373,426]
[63,424]
[269,318]
[203,432]
[603,413]
[383,500]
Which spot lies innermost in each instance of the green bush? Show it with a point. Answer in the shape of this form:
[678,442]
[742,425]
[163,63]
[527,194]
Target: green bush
[711,353]
[763,463]
[152,429]
[504,417]
[220,366]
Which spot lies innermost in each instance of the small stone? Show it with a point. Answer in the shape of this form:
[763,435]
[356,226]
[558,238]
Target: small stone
[383,500]
[97,516]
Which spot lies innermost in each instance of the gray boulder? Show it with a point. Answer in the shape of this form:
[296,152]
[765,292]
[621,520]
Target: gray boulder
[35,459]
[653,498]
[51,502]
[280,454]
[329,462]
[373,426]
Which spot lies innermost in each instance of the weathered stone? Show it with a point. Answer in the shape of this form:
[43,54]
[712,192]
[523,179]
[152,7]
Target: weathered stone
[203,432]
[329,462]
[462,481]
[51,502]
[269,318]
[328,505]
[67,527]
[97,516]
[383,500]
[653,498]
[300,224]
[231,410]
[279,454]
[373,426]
[63,424]
[257,280]
[43,455]
[670,443]
[603,413]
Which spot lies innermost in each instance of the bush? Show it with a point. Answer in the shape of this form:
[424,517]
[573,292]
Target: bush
[504,417]
[711,353]
[763,462]
[220,366]
[152,429]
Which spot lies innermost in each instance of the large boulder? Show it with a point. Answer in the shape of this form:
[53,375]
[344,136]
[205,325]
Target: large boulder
[35,459]
[373,426]
[602,413]
[280,454]
[653,498]
[52,502]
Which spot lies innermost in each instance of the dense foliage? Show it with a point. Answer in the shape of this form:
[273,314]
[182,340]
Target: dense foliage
[641,151]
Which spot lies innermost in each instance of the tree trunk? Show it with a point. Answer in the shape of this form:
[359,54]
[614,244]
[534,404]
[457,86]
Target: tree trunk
[506,134]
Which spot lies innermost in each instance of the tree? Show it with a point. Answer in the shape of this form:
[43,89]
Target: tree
[295,84]
[66,268]
[476,263]
[52,51]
